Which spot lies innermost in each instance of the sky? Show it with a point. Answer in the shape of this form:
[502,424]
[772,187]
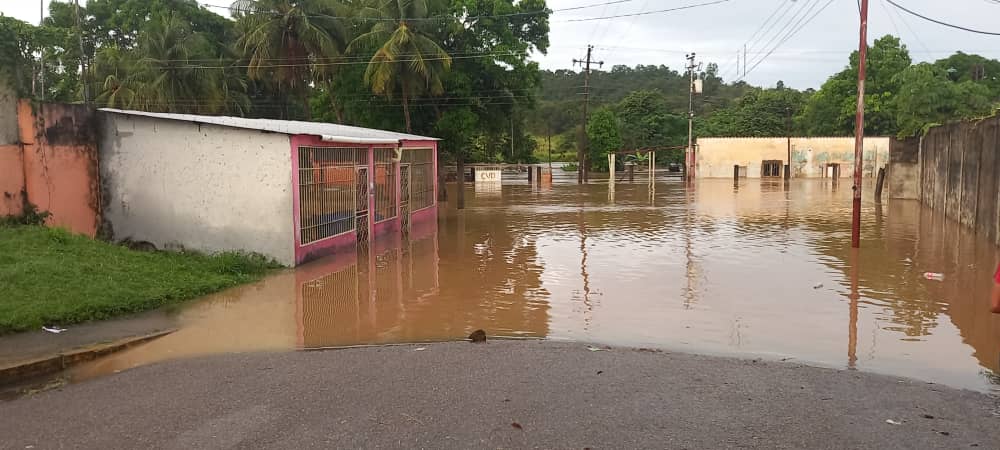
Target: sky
[716,32]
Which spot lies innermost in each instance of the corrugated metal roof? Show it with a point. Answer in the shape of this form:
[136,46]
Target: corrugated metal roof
[326,131]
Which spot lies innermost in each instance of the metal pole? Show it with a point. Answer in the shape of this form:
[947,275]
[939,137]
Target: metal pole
[788,128]
[41,72]
[859,127]
[83,57]
[689,156]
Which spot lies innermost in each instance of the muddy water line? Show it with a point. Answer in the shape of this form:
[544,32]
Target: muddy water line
[755,269]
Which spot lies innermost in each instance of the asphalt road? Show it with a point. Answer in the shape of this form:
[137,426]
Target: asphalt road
[497,395]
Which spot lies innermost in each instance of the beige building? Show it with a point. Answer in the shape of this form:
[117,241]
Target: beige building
[767,157]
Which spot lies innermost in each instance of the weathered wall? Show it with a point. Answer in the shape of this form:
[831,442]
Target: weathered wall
[8,114]
[717,156]
[11,180]
[960,174]
[204,187]
[903,172]
[11,163]
[52,164]
[60,164]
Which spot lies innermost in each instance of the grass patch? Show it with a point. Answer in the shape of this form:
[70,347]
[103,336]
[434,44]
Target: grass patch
[49,276]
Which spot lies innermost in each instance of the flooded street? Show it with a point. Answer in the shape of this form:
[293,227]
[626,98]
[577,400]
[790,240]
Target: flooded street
[754,270]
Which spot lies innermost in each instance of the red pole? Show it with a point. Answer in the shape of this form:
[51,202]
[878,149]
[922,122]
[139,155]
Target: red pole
[859,128]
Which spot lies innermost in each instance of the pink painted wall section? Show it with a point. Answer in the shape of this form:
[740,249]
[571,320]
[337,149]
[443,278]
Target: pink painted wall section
[11,180]
[58,158]
[382,233]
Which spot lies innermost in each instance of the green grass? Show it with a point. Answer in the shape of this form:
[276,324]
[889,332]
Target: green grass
[49,276]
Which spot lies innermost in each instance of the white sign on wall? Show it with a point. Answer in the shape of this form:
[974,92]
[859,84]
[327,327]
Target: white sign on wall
[488,176]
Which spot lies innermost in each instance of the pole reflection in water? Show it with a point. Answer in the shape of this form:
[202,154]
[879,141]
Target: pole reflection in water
[709,268]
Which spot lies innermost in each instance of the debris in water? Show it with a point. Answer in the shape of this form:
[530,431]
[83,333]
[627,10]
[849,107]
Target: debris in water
[818,286]
[892,422]
[934,276]
[517,425]
[595,349]
[600,372]
[55,330]
[944,433]
[927,416]
[478,336]
[420,349]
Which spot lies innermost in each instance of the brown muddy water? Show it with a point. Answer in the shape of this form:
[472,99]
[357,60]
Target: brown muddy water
[758,270]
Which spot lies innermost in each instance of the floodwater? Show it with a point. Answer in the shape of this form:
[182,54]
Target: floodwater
[756,270]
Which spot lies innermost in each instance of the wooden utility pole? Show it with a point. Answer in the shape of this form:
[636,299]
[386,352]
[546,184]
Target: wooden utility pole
[581,152]
[859,128]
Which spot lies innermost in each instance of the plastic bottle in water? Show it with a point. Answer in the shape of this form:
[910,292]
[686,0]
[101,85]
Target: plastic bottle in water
[934,276]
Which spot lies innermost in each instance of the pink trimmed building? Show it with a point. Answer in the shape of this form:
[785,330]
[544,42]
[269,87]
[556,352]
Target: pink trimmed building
[295,191]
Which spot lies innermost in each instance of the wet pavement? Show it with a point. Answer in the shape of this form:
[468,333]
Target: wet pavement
[751,270]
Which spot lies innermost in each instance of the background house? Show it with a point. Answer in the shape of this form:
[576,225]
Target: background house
[766,157]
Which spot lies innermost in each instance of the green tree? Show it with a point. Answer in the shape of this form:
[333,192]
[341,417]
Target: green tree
[407,61]
[647,122]
[831,111]
[927,96]
[163,73]
[290,42]
[604,137]
[759,113]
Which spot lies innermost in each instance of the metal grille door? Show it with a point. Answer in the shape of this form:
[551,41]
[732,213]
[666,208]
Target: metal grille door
[361,217]
[404,201]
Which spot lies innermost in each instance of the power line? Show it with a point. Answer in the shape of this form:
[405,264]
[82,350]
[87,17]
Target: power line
[790,35]
[679,8]
[940,22]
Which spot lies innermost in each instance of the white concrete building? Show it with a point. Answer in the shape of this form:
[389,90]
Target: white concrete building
[294,191]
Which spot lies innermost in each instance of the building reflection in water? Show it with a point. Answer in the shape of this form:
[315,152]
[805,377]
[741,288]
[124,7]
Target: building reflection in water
[755,268]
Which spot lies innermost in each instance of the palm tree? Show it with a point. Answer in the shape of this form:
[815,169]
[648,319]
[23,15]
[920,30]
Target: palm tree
[290,41]
[406,60]
[165,72]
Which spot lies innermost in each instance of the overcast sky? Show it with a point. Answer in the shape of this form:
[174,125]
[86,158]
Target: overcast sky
[716,32]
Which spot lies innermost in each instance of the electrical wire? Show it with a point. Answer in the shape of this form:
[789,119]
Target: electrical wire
[941,22]
[789,36]
[679,8]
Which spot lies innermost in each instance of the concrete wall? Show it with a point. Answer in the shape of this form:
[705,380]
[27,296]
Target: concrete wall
[960,174]
[903,173]
[8,114]
[203,187]
[51,164]
[717,156]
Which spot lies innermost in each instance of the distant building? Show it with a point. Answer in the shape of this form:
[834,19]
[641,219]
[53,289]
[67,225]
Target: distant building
[294,191]
[767,157]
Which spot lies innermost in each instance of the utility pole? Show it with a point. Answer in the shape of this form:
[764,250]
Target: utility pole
[41,60]
[859,128]
[788,131]
[83,56]
[581,152]
[689,155]
[744,61]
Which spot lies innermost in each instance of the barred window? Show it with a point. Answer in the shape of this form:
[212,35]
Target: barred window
[385,184]
[326,190]
[421,162]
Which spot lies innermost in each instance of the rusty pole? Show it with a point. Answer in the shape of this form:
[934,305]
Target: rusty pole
[859,128]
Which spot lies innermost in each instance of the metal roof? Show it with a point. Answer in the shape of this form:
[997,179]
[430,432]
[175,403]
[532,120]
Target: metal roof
[326,131]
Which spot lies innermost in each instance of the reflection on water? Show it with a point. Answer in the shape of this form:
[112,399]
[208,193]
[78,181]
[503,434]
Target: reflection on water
[755,268]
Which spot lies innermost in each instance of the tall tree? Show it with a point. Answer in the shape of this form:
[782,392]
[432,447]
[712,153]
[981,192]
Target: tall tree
[406,61]
[605,137]
[290,42]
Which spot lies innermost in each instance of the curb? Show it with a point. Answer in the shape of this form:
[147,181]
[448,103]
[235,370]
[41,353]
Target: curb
[51,364]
